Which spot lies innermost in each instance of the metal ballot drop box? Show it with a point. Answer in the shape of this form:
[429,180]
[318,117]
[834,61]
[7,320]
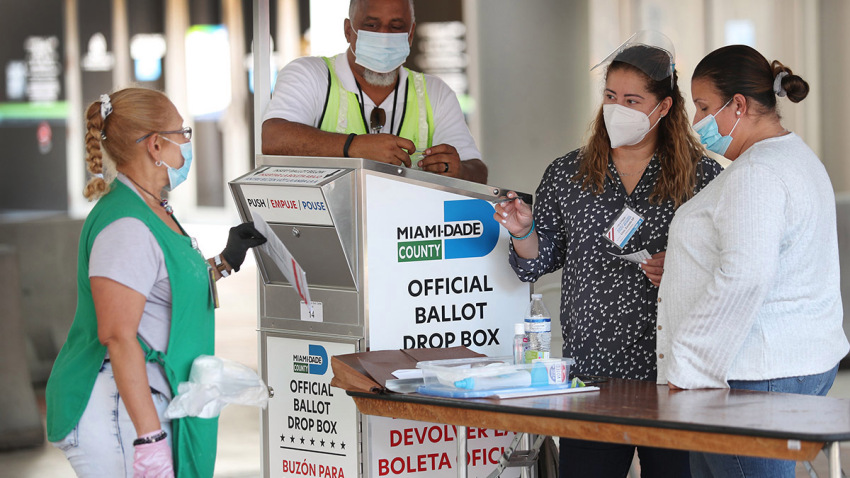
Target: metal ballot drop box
[395,258]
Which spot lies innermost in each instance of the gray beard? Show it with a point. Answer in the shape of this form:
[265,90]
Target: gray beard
[380,79]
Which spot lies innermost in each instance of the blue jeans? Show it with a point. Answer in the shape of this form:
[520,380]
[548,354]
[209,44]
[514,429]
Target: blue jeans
[582,459]
[708,465]
[102,442]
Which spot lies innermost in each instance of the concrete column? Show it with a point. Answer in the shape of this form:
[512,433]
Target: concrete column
[121,74]
[262,51]
[834,38]
[75,164]
[529,77]
[20,422]
[235,126]
[288,32]
[176,26]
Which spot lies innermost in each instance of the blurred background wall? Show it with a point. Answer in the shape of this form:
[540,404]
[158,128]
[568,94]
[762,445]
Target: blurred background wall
[521,71]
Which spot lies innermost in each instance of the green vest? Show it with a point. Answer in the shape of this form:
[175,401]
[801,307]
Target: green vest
[192,334]
[342,110]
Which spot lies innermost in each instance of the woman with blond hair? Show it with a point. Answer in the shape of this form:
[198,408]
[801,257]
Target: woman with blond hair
[601,212]
[145,302]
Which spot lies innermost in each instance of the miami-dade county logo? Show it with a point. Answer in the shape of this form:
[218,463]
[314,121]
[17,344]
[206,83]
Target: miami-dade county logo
[469,230]
[314,363]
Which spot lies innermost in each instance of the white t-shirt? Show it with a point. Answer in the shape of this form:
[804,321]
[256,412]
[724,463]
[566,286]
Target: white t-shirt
[127,252]
[302,85]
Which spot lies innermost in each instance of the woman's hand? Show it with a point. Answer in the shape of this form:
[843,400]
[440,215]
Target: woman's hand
[239,240]
[514,214]
[153,460]
[654,267]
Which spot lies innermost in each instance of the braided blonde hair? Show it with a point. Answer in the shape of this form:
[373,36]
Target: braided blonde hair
[135,113]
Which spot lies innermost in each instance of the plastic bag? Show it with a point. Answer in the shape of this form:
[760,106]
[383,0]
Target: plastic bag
[213,383]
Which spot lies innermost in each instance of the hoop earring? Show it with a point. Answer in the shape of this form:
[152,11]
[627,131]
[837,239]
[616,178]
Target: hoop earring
[157,163]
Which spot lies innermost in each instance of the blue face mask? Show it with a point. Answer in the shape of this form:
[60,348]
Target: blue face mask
[381,52]
[177,176]
[710,136]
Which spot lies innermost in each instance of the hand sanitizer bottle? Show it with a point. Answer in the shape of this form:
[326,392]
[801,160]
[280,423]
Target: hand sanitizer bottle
[520,343]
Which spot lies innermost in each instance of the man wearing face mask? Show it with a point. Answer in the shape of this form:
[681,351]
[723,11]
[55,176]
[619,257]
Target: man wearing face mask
[363,103]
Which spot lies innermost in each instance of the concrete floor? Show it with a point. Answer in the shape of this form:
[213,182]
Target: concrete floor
[236,339]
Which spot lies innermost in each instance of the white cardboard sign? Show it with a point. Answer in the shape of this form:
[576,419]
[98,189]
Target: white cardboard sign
[288,204]
[438,277]
[293,176]
[312,426]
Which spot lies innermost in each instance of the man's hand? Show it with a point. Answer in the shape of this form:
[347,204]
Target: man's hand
[441,159]
[385,148]
[444,160]
[282,137]
[295,139]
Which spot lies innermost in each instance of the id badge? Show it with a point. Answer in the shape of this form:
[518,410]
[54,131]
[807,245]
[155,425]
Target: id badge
[210,274]
[623,227]
[213,287]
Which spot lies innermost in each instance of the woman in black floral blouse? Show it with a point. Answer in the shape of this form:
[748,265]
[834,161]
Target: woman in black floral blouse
[615,196]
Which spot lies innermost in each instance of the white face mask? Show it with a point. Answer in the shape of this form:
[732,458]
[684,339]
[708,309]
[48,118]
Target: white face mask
[381,52]
[626,126]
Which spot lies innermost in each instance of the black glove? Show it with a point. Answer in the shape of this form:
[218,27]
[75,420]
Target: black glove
[239,240]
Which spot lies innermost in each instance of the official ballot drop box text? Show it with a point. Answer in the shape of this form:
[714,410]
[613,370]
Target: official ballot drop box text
[395,258]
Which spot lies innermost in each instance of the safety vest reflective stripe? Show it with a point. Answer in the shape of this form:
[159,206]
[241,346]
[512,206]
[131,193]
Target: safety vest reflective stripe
[342,110]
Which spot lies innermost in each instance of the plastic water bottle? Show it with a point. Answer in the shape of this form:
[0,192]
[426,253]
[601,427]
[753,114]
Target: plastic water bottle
[520,343]
[538,328]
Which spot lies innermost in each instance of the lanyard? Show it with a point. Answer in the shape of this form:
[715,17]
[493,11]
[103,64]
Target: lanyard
[395,101]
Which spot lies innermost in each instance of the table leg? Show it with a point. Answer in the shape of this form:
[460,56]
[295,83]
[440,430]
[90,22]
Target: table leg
[525,444]
[834,459]
[461,452]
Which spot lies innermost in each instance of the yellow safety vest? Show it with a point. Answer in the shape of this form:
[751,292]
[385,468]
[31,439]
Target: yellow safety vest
[417,122]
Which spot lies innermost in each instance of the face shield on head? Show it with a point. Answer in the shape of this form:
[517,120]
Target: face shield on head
[649,51]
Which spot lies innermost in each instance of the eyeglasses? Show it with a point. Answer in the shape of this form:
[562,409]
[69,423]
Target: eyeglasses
[377,120]
[186,132]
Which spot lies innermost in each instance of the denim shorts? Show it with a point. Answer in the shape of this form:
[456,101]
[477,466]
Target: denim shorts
[102,442]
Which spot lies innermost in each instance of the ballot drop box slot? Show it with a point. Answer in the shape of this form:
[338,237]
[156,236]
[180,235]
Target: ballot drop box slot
[395,258]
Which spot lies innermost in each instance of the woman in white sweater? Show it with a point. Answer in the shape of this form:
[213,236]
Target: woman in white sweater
[750,294]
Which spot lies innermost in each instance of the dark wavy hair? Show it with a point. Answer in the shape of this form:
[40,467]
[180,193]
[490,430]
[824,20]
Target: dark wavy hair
[741,69]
